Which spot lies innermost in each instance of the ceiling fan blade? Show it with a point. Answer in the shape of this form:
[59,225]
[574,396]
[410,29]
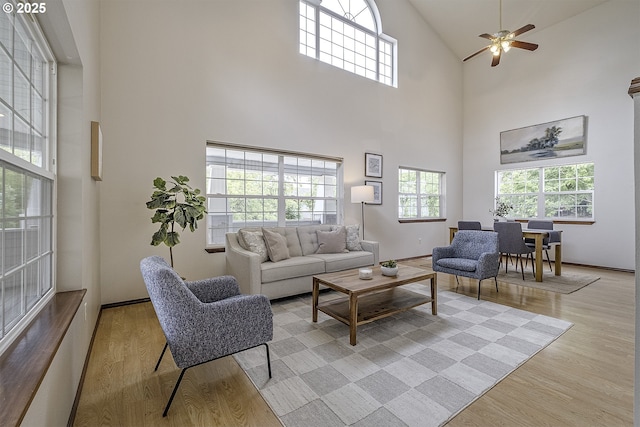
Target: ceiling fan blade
[496,59]
[486,36]
[524,29]
[524,45]
[477,53]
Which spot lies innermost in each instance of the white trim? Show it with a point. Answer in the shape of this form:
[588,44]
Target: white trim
[376,15]
[14,160]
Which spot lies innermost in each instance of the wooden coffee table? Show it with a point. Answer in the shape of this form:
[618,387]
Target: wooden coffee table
[369,300]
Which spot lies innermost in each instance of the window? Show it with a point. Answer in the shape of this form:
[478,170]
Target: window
[347,34]
[563,192]
[420,194]
[26,180]
[249,187]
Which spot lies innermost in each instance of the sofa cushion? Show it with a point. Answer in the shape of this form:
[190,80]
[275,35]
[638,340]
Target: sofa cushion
[253,241]
[353,237]
[309,238]
[299,266]
[332,242]
[241,235]
[458,263]
[276,245]
[291,236]
[345,261]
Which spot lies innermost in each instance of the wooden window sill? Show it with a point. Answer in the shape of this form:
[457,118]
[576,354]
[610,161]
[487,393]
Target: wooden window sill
[25,363]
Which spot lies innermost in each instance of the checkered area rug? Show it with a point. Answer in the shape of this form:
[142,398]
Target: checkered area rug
[411,369]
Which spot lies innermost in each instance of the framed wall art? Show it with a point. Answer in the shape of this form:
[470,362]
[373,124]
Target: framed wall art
[373,165]
[561,138]
[377,192]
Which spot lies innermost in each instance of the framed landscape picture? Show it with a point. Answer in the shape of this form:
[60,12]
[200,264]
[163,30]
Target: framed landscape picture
[377,192]
[562,138]
[373,165]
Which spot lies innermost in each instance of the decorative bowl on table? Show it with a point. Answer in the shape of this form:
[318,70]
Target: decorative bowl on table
[389,268]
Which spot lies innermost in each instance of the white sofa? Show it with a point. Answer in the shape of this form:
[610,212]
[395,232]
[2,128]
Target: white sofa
[293,275]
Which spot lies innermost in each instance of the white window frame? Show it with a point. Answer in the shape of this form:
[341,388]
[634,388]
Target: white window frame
[38,164]
[420,195]
[376,60]
[220,222]
[543,193]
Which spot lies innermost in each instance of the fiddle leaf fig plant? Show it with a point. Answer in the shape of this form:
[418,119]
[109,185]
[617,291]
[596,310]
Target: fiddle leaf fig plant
[174,202]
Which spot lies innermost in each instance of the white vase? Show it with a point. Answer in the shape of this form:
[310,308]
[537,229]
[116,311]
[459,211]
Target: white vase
[389,271]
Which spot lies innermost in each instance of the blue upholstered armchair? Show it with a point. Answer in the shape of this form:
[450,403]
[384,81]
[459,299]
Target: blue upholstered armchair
[206,319]
[471,254]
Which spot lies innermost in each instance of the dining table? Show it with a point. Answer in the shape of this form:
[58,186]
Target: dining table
[538,236]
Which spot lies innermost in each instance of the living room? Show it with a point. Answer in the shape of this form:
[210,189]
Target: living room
[164,79]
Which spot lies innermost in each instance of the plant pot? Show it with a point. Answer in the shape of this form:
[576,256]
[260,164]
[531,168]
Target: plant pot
[389,271]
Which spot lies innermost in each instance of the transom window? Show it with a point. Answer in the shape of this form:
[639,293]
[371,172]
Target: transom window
[562,192]
[265,188]
[26,179]
[348,34]
[420,194]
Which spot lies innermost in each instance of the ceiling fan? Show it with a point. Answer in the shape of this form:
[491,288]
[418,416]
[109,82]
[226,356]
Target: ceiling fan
[504,40]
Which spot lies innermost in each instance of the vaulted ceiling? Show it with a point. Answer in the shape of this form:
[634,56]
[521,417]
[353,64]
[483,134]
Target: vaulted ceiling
[459,22]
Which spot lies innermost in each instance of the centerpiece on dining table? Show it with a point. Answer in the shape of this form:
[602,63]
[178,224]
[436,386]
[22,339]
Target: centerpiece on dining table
[502,209]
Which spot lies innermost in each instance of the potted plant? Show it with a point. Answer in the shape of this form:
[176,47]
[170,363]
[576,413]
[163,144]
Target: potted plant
[389,268]
[178,203]
[502,209]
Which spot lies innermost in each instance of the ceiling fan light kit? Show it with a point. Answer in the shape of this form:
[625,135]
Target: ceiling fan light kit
[503,41]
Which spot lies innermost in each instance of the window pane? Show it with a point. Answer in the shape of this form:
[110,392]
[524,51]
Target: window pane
[268,190]
[32,288]
[13,298]
[420,194]
[567,191]
[6,80]
[6,30]
[349,39]
[6,128]
[26,198]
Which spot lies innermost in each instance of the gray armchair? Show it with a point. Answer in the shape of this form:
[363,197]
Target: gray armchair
[471,254]
[206,319]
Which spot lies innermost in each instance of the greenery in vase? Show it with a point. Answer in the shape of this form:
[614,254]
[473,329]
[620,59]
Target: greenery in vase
[389,264]
[179,204]
[502,209]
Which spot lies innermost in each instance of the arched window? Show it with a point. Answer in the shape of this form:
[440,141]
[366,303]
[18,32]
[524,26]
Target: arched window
[348,34]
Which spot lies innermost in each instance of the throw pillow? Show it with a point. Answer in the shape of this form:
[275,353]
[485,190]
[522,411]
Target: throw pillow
[255,243]
[353,238]
[276,245]
[332,242]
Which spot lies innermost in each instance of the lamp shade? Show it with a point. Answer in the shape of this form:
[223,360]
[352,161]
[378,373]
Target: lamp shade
[361,193]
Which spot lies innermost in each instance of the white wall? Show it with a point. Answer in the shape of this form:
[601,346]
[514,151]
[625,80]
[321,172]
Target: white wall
[582,67]
[174,77]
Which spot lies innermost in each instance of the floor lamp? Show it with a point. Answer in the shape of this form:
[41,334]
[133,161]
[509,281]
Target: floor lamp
[361,194]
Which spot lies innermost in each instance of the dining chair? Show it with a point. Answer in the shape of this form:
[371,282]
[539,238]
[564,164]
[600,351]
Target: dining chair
[469,225]
[511,242]
[538,224]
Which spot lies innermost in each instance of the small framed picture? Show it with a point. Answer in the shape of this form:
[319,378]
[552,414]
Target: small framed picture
[377,192]
[373,165]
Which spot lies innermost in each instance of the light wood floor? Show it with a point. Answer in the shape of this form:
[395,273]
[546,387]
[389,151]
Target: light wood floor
[585,378]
